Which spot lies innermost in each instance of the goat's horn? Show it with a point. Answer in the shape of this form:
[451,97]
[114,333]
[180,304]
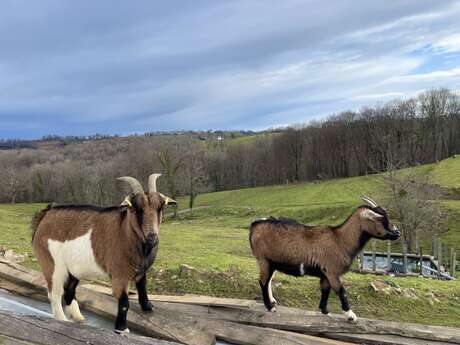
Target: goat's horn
[133,183]
[369,201]
[153,182]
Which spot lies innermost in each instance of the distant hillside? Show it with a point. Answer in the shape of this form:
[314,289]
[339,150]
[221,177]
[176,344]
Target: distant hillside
[445,173]
[55,142]
[330,202]
[401,134]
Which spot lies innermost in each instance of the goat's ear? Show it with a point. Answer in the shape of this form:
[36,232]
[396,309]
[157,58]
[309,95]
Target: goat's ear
[168,200]
[127,202]
[370,215]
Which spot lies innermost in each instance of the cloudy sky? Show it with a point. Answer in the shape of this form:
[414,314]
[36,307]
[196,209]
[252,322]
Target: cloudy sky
[84,67]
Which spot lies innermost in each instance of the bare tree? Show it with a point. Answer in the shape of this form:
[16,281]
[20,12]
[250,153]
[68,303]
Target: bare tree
[171,162]
[414,203]
[11,177]
[195,174]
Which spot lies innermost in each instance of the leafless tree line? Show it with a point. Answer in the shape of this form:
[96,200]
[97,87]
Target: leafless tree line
[419,130]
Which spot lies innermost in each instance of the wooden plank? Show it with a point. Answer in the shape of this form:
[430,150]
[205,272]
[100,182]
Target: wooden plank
[171,326]
[372,339]
[154,323]
[39,330]
[333,326]
[229,331]
[185,299]
[4,340]
[247,335]
[314,323]
[219,320]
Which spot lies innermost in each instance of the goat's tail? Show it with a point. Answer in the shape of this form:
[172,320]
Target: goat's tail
[37,218]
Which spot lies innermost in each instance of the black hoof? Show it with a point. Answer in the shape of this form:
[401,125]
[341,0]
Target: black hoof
[271,307]
[148,308]
[324,311]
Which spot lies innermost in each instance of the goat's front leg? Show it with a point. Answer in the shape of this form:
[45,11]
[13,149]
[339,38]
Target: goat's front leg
[142,294]
[325,290]
[337,286]
[120,292]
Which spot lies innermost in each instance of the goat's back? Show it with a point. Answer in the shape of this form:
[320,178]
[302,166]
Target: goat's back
[61,223]
[287,241]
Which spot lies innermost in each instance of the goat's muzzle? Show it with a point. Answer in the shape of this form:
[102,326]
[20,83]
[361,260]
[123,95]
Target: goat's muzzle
[394,234]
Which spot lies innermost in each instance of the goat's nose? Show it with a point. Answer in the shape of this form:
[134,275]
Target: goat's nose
[396,230]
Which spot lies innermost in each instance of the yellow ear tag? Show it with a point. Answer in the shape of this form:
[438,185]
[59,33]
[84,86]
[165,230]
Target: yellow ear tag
[167,200]
[126,202]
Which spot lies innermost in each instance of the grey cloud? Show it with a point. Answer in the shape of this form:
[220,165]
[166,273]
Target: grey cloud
[91,65]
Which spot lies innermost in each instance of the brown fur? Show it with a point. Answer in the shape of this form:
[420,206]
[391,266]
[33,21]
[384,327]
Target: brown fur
[116,239]
[325,251]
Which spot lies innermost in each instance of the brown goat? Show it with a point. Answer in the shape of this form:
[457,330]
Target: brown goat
[322,251]
[86,242]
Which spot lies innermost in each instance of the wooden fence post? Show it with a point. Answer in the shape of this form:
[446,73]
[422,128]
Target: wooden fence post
[388,256]
[404,252]
[434,248]
[374,264]
[421,261]
[439,252]
[453,262]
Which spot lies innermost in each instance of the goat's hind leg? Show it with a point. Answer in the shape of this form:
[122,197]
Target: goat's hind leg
[71,305]
[339,289]
[270,291]
[325,290]
[266,274]
[60,276]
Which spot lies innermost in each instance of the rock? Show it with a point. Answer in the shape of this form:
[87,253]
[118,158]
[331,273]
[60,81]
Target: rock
[432,297]
[378,285]
[186,271]
[398,290]
[12,256]
[410,293]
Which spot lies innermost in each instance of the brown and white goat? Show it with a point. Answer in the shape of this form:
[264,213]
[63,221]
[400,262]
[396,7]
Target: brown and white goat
[322,251]
[77,242]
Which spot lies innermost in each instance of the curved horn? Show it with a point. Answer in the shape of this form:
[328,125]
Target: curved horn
[153,182]
[133,183]
[369,201]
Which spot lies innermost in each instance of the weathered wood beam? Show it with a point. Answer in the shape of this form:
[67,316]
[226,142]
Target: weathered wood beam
[163,322]
[170,325]
[38,330]
[314,323]
[232,332]
[333,326]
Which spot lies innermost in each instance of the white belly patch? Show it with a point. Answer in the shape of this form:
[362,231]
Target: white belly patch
[77,257]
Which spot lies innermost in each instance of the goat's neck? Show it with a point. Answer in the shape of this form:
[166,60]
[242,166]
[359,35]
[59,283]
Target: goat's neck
[352,237]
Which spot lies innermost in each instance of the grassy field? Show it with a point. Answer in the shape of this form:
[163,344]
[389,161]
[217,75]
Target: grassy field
[215,241]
